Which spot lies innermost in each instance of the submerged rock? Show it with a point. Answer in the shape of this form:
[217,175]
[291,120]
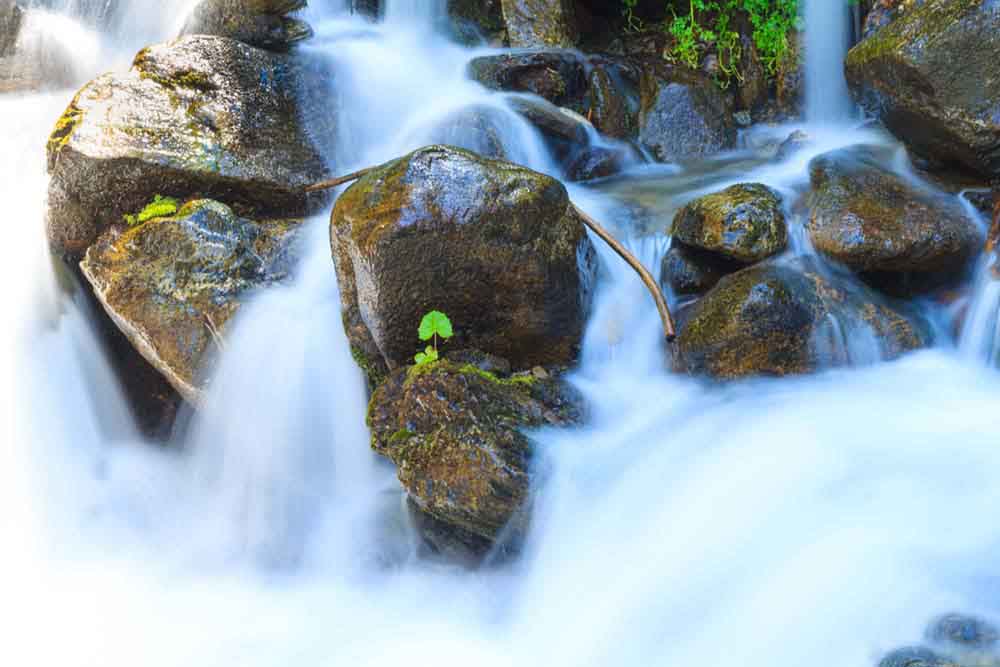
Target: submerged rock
[744,222]
[872,220]
[261,23]
[200,116]
[684,117]
[457,437]
[914,656]
[172,283]
[778,319]
[495,246]
[540,23]
[964,631]
[933,78]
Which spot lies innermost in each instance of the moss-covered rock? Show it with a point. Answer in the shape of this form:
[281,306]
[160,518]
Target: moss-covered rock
[494,245]
[933,78]
[200,116]
[457,436]
[744,222]
[872,220]
[541,23]
[684,115]
[776,319]
[171,284]
[265,24]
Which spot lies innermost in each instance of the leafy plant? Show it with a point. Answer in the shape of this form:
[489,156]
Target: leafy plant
[434,325]
[158,208]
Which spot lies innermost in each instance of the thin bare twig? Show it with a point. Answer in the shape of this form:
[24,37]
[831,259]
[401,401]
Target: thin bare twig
[645,276]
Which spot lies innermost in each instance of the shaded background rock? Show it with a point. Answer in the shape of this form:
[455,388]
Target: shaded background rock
[684,116]
[199,117]
[493,245]
[172,284]
[265,24]
[540,23]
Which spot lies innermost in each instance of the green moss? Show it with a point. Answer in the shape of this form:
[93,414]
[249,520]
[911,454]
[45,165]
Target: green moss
[372,370]
[400,436]
[65,126]
[159,207]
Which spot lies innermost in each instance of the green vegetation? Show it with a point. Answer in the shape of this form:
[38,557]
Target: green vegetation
[160,207]
[433,325]
[712,25]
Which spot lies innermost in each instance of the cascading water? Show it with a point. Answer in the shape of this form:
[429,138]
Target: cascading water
[769,522]
[827,100]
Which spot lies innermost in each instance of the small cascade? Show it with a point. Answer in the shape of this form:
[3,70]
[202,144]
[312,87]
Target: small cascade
[827,40]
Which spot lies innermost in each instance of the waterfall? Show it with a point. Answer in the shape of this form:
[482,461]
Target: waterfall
[827,38]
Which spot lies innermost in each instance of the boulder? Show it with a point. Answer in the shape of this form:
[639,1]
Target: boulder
[871,220]
[784,319]
[540,23]
[692,271]
[261,23]
[172,283]
[495,246]
[457,437]
[198,117]
[744,222]
[684,117]
[932,77]
[554,75]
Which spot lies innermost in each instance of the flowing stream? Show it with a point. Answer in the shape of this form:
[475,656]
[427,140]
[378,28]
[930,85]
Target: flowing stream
[766,522]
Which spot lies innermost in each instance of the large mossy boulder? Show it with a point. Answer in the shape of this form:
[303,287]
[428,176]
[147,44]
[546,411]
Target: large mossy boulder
[744,222]
[172,283]
[457,436]
[784,319]
[932,76]
[541,23]
[684,116]
[265,24]
[198,117]
[496,246]
[873,221]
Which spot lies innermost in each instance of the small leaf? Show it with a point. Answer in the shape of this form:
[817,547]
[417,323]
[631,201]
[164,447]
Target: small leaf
[435,323]
[427,356]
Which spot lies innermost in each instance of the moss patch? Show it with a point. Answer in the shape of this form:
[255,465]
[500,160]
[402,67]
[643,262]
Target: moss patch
[65,126]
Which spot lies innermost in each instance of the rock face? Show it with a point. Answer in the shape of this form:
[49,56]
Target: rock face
[872,221]
[495,246]
[540,23]
[790,84]
[684,118]
[198,117]
[261,23]
[456,435]
[477,19]
[773,319]
[167,283]
[743,222]
[10,26]
[933,79]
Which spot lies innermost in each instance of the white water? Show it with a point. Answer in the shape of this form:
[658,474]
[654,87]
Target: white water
[768,523]
[827,100]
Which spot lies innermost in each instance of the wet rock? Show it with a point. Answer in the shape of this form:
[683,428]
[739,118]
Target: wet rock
[961,630]
[484,361]
[914,657]
[932,77]
[597,162]
[198,117]
[477,20]
[10,26]
[790,81]
[744,222]
[540,23]
[457,437]
[783,319]
[261,23]
[689,271]
[795,142]
[752,89]
[684,118]
[610,108]
[873,221]
[479,129]
[564,131]
[495,246]
[556,76]
[171,284]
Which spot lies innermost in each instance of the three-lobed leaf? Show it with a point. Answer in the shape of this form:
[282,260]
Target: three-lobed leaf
[435,323]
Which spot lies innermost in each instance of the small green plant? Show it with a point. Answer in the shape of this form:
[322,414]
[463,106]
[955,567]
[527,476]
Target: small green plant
[434,325]
[632,22]
[158,208]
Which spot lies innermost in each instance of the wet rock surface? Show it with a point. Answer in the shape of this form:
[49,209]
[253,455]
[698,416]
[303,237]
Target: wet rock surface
[493,245]
[541,23]
[457,437]
[475,20]
[688,271]
[265,24]
[784,319]
[171,284]
[872,220]
[744,222]
[684,117]
[932,77]
[198,117]
[554,75]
